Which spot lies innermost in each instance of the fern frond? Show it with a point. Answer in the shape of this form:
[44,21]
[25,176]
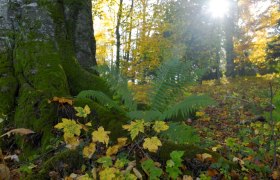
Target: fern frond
[180,133]
[100,97]
[118,85]
[171,79]
[184,107]
[146,115]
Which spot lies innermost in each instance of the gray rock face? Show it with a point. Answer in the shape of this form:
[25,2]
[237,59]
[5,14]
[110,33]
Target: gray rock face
[5,26]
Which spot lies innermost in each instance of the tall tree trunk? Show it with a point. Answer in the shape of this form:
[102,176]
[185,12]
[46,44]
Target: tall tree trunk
[118,35]
[229,34]
[130,31]
[44,48]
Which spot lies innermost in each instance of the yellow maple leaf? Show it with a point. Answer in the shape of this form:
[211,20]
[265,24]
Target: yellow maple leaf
[71,142]
[112,150]
[101,136]
[135,127]
[160,126]
[82,112]
[89,150]
[152,144]
[121,141]
[108,173]
[69,126]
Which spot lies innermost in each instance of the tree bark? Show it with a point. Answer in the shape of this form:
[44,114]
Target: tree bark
[118,35]
[229,35]
[45,47]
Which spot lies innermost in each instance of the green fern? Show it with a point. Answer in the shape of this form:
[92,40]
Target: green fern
[186,106]
[118,85]
[146,115]
[180,133]
[100,97]
[171,79]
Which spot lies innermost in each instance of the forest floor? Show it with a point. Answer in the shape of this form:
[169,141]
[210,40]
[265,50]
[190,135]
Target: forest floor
[238,127]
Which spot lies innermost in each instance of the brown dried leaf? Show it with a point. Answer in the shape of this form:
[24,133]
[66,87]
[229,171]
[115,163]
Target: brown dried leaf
[20,131]
[4,172]
[137,173]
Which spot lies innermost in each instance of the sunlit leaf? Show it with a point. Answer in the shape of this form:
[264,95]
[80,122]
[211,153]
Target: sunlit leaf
[89,150]
[82,112]
[101,136]
[152,144]
[160,126]
[135,127]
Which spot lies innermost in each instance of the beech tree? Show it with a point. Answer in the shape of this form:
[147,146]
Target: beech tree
[46,49]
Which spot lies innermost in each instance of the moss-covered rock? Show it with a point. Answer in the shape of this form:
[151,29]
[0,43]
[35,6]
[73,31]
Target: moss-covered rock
[8,85]
[41,77]
[64,162]
[111,119]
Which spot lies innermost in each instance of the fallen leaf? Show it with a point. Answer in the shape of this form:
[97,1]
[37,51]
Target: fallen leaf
[206,156]
[61,100]
[4,172]
[12,157]
[137,173]
[212,172]
[275,175]
[101,136]
[186,177]
[152,144]
[20,131]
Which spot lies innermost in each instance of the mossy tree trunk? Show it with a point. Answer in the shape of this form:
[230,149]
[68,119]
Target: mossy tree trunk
[46,49]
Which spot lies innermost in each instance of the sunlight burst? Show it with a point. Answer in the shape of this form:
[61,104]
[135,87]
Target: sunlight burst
[218,8]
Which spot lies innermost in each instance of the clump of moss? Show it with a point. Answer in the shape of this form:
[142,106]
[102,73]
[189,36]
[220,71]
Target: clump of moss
[41,77]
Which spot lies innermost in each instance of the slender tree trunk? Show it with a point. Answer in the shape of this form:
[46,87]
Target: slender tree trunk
[130,31]
[229,44]
[118,35]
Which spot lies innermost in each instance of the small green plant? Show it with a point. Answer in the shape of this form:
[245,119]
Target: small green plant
[173,165]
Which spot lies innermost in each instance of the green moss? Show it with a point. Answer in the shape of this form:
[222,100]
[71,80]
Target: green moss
[41,77]
[78,78]
[8,84]
[68,157]
[8,88]
[111,119]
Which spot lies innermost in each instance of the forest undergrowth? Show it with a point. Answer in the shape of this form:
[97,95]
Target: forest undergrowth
[240,136]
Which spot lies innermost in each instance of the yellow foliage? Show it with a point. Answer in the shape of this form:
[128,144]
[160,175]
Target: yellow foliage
[121,141]
[71,142]
[89,150]
[152,144]
[108,173]
[200,114]
[82,112]
[70,127]
[101,136]
[160,126]
[135,127]
[112,150]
